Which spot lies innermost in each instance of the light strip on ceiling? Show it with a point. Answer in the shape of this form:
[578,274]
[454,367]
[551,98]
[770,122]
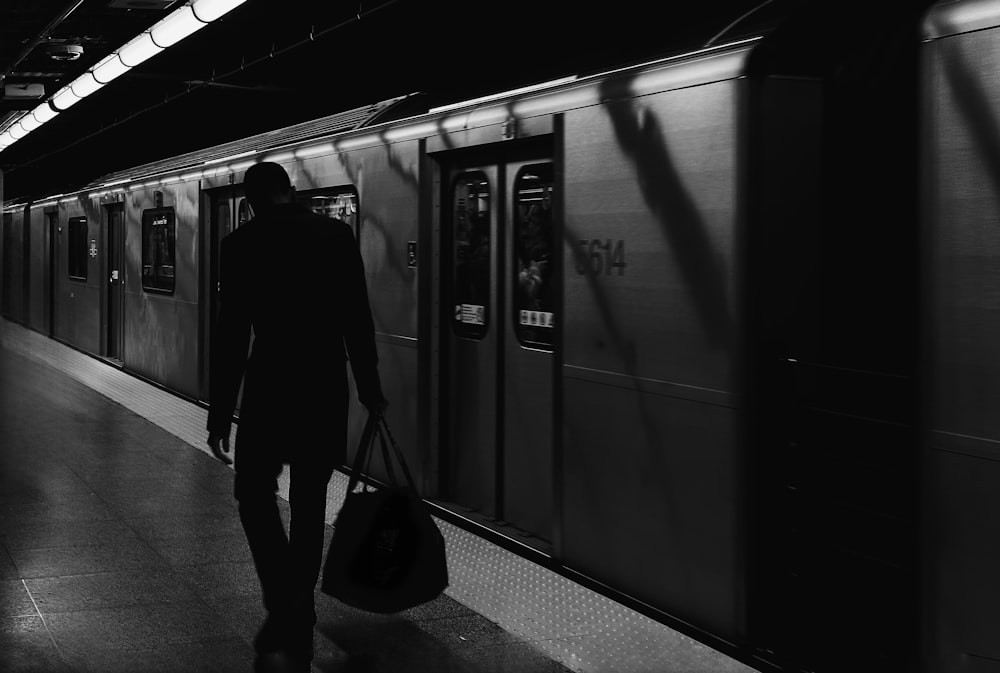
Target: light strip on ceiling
[182,22]
[110,68]
[175,27]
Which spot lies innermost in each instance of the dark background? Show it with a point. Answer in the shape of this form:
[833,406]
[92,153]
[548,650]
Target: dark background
[271,63]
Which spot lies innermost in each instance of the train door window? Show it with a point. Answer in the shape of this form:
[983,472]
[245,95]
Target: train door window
[340,203]
[158,236]
[78,249]
[532,274]
[243,213]
[471,254]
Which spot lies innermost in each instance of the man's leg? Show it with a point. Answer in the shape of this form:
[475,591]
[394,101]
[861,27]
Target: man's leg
[315,455]
[307,496]
[256,489]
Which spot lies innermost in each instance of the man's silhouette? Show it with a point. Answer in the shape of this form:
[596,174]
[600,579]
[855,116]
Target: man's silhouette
[297,281]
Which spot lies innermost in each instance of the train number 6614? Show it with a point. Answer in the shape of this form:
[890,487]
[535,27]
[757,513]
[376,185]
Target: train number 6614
[597,257]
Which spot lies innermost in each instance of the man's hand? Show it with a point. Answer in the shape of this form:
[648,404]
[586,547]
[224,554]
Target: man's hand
[220,448]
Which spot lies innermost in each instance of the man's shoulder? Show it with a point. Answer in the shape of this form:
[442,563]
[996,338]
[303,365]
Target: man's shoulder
[330,227]
[236,236]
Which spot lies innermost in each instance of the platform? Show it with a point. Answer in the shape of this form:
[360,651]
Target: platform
[121,551]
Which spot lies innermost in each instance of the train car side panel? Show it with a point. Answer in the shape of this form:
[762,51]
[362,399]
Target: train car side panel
[962,463]
[78,282]
[40,273]
[386,180]
[161,328]
[648,369]
[388,186]
[13,264]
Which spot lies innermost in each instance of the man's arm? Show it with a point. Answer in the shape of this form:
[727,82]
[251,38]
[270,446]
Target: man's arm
[359,329]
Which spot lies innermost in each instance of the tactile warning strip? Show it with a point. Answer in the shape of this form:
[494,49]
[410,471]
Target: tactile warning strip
[579,628]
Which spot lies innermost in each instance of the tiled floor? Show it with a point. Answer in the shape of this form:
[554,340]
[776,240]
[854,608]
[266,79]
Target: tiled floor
[121,551]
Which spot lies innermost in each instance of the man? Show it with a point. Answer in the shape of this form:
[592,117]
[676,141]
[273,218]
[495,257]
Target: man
[297,280]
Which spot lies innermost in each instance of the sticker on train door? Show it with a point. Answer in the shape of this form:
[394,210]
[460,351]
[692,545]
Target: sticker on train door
[536,318]
[470,314]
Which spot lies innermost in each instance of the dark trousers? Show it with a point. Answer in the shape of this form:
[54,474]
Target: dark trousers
[288,563]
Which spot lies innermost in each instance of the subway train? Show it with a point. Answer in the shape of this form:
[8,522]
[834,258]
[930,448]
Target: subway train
[716,334]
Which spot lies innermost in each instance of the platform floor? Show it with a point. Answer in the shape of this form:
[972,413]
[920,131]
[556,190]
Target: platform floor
[121,551]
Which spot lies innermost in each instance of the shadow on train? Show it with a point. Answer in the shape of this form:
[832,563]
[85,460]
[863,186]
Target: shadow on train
[973,103]
[668,200]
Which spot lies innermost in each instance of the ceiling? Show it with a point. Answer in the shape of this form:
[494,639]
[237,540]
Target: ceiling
[271,63]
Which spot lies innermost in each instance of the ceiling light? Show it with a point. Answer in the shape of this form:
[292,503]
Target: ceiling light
[85,84]
[210,10]
[138,49]
[64,99]
[29,123]
[44,113]
[110,68]
[60,51]
[175,27]
[172,29]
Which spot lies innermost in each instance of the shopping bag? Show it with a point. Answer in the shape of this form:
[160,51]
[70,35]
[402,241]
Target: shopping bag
[387,554]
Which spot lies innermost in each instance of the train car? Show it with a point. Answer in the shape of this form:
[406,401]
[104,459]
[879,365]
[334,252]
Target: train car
[663,329]
[961,150]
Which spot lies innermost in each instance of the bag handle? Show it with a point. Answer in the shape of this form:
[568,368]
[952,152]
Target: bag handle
[364,449]
[376,425]
[383,430]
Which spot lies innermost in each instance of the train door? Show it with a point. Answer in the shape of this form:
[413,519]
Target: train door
[227,210]
[498,292]
[51,280]
[114,317]
[57,269]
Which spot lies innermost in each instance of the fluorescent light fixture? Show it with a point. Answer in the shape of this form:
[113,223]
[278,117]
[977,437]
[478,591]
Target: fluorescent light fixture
[29,123]
[138,49]
[110,68]
[210,10]
[85,84]
[175,27]
[64,99]
[44,113]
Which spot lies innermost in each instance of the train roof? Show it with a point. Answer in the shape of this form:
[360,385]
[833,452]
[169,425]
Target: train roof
[396,109]
[953,18]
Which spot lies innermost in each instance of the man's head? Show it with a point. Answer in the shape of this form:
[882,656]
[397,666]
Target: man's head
[266,184]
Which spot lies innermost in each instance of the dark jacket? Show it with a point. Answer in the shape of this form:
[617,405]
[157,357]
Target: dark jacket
[297,279]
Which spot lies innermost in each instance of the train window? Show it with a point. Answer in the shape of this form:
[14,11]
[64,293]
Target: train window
[339,202]
[158,236]
[243,213]
[532,273]
[78,249]
[471,255]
